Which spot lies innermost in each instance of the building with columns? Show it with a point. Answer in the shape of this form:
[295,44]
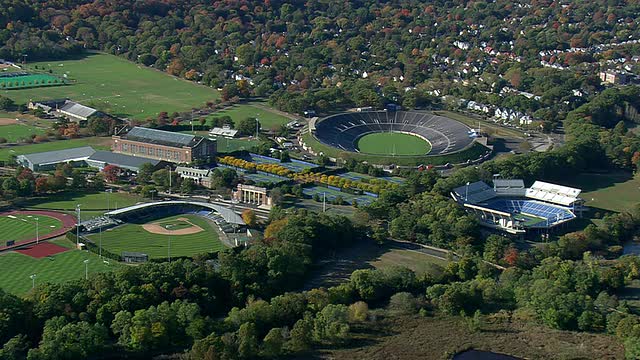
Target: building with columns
[250,194]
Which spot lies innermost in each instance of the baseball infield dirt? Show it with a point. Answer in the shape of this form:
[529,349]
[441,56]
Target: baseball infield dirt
[156,228]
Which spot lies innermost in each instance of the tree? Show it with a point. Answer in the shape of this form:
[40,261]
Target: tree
[42,185]
[249,217]
[403,303]
[69,341]
[358,312]
[273,343]
[6,103]
[187,186]
[301,335]
[247,341]
[248,126]
[331,324]
[144,173]
[111,173]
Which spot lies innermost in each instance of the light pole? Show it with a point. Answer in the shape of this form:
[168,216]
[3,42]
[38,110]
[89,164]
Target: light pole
[107,191]
[466,192]
[100,242]
[78,226]
[37,231]
[33,280]
[324,201]
[257,125]
[169,167]
[169,241]
[86,269]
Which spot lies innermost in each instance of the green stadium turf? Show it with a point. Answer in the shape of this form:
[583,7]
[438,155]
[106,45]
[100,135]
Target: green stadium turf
[95,142]
[67,266]
[29,81]
[132,237]
[13,133]
[23,227]
[385,143]
[118,87]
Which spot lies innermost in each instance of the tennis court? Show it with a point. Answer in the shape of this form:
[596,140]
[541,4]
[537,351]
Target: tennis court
[294,165]
[22,80]
[354,176]
[332,194]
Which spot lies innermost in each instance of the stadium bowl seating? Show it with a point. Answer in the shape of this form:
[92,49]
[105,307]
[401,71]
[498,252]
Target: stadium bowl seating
[344,130]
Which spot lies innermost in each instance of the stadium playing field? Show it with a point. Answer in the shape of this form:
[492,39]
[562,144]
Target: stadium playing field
[393,144]
[137,238]
[29,81]
[13,133]
[17,268]
[21,227]
[118,87]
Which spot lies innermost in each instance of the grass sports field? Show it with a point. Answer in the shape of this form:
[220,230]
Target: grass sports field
[15,132]
[91,202]
[610,191]
[22,227]
[268,119]
[133,237]
[95,142]
[393,144]
[57,268]
[29,81]
[118,87]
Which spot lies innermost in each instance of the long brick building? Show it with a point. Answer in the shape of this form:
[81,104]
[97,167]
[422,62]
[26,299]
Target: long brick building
[164,145]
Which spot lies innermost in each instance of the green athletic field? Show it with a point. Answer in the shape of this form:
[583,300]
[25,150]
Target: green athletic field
[29,81]
[472,152]
[118,87]
[393,144]
[22,227]
[267,119]
[67,266]
[13,133]
[132,237]
[610,191]
[89,202]
[95,142]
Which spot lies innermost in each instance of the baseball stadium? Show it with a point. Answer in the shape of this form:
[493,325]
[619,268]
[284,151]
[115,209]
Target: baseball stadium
[510,207]
[395,137]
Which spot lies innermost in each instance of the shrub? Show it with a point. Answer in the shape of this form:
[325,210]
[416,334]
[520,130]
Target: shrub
[403,303]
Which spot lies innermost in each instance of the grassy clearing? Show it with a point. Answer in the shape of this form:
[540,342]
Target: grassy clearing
[13,133]
[610,191]
[132,237]
[267,119]
[118,87]
[90,203]
[419,262]
[490,127]
[67,266]
[96,142]
[393,143]
[22,227]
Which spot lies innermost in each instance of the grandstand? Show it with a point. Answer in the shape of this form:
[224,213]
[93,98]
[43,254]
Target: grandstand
[509,206]
[344,130]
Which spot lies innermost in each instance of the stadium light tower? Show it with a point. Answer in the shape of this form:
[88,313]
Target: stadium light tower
[33,280]
[466,192]
[107,191]
[78,226]
[86,269]
[37,231]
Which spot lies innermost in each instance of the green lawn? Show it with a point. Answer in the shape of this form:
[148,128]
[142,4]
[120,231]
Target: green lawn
[22,227]
[30,81]
[95,142]
[92,203]
[419,262]
[132,237]
[610,191]
[393,144]
[118,87]
[267,119]
[16,268]
[19,131]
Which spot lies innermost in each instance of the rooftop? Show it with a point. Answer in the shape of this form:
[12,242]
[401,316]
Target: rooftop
[161,137]
[121,160]
[77,109]
[58,156]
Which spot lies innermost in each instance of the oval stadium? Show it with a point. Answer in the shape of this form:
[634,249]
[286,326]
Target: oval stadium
[394,134]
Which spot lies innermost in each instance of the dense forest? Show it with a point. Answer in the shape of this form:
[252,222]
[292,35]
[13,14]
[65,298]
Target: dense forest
[324,54]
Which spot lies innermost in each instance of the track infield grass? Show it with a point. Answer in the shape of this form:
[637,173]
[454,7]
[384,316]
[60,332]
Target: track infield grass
[117,86]
[90,202]
[15,268]
[22,227]
[385,143]
[132,237]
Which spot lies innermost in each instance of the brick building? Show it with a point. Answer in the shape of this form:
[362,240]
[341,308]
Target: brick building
[164,145]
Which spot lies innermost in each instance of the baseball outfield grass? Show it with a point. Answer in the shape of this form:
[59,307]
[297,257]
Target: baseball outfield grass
[134,238]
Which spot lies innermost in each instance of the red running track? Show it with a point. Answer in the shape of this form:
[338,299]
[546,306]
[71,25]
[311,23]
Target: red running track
[68,223]
[43,249]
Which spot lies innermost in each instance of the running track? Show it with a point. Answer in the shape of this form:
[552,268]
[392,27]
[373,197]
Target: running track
[68,222]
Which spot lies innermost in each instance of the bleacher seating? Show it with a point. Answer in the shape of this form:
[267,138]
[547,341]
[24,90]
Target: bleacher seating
[344,130]
[553,213]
